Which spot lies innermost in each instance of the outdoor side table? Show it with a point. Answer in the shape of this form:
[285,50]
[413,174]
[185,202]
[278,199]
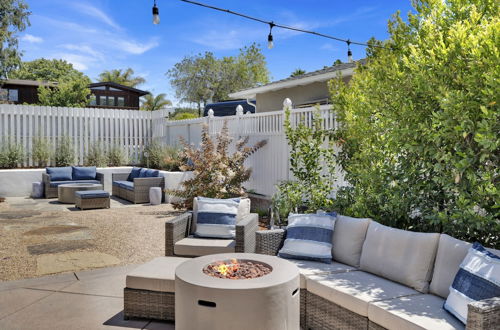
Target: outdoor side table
[155,195]
[37,189]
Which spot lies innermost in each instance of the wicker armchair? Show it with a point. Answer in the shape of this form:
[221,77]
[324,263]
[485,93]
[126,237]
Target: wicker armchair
[180,228]
[319,313]
[140,191]
[51,191]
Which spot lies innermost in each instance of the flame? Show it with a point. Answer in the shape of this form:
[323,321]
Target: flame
[228,268]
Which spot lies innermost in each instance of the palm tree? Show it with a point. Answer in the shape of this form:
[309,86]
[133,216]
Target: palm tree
[123,77]
[151,103]
[297,72]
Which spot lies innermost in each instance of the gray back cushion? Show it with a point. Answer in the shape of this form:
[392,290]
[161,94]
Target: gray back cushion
[399,255]
[450,254]
[348,237]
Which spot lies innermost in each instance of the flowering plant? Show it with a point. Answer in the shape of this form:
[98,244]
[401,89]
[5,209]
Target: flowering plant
[216,172]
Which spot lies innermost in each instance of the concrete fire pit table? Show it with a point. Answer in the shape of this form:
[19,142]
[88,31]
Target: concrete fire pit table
[271,301]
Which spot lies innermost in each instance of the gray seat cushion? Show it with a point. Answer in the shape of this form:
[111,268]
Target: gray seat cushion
[89,194]
[124,184]
[355,290]
[58,183]
[308,268]
[195,247]
[156,275]
[402,256]
[348,238]
[422,311]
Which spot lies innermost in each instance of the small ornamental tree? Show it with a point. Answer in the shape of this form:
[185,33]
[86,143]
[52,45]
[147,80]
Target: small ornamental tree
[420,123]
[216,172]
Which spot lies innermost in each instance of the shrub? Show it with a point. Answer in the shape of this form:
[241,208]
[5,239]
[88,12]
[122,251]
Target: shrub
[420,124]
[11,155]
[173,159]
[96,156]
[153,155]
[312,163]
[40,151]
[116,157]
[183,116]
[217,173]
[65,152]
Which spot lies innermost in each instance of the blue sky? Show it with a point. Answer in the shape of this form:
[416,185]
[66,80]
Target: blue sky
[112,34]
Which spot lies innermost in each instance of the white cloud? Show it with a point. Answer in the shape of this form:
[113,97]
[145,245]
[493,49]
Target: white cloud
[80,62]
[133,47]
[85,49]
[31,38]
[96,13]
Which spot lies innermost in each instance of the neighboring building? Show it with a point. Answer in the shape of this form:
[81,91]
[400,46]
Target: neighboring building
[18,91]
[112,95]
[228,108]
[305,90]
[108,95]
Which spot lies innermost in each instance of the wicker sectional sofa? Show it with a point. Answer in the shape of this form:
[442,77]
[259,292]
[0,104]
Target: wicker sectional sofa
[136,189]
[382,278]
[51,182]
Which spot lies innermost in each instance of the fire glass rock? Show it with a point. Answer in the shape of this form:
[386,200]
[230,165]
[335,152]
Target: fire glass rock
[237,269]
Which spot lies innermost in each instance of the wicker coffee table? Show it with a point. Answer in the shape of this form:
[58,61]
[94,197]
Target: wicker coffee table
[66,192]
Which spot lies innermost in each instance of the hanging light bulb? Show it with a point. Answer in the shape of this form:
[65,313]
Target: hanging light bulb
[349,53]
[156,14]
[270,42]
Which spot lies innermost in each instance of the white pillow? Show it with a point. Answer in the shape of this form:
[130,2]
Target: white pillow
[216,218]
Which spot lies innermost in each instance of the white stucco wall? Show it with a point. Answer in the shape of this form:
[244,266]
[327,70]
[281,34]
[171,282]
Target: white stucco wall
[17,182]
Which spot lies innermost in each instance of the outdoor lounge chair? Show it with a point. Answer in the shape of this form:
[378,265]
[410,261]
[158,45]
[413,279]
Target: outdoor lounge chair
[134,185]
[179,239]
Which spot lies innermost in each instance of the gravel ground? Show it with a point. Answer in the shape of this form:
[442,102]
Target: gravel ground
[30,238]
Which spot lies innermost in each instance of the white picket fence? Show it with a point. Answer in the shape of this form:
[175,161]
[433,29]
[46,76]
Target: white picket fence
[131,130]
[270,165]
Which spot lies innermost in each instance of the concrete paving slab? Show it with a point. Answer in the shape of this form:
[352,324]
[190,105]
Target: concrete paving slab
[73,261]
[14,300]
[155,325]
[71,311]
[110,286]
[57,280]
[110,271]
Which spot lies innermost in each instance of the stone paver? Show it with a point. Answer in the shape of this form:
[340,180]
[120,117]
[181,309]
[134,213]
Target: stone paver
[72,261]
[56,247]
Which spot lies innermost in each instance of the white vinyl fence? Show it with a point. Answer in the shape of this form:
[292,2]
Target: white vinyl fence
[129,129]
[270,165]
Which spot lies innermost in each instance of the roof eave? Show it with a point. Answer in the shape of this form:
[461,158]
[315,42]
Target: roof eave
[252,92]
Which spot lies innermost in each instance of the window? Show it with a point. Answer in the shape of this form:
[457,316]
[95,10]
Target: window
[111,101]
[115,89]
[102,100]
[100,88]
[93,99]
[121,101]
[11,95]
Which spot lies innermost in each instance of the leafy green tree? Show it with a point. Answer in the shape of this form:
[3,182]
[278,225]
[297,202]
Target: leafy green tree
[124,77]
[420,123]
[198,79]
[67,93]
[297,72]
[13,19]
[337,62]
[54,70]
[151,103]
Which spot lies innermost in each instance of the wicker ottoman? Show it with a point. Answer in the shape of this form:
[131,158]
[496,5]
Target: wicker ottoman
[150,290]
[92,199]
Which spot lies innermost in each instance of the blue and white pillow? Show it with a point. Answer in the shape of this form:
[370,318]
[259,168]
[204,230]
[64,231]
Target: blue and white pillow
[478,278]
[216,218]
[309,237]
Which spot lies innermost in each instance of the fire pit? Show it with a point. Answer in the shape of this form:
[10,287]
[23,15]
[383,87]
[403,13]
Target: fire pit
[237,291]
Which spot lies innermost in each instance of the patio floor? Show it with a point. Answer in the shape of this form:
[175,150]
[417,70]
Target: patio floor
[39,237]
[77,300]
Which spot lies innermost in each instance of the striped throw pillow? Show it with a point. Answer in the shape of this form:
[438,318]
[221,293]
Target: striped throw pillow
[216,218]
[478,278]
[309,237]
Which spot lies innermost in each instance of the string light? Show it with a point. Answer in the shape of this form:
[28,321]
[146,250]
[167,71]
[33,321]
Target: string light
[156,14]
[270,41]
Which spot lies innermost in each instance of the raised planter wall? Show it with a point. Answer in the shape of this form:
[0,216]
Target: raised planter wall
[17,182]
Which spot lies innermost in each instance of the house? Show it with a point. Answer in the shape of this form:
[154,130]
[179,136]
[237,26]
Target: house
[305,90]
[104,94]
[18,91]
[112,95]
